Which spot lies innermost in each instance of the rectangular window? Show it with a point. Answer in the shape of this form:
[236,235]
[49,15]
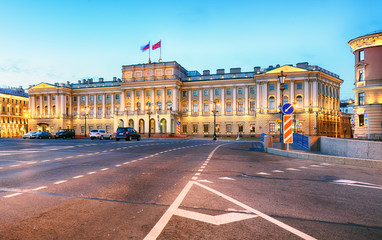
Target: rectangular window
[99,97]
[241,128]
[158,92]
[229,107]
[108,97]
[184,109]
[128,94]
[228,128]
[361,120]
[240,91]
[108,111]
[252,106]
[286,86]
[195,128]
[206,108]
[83,98]
[361,75]
[138,93]
[82,129]
[184,93]
[117,96]
[361,98]
[217,92]
[271,127]
[252,90]
[205,128]
[205,92]
[107,128]
[168,91]
[54,97]
[195,93]
[252,128]
[74,99]
[45,98]
[148,93]
[361,55]
[228,91]
[91,98]
[240,106]
[195,108]
[184,128]
[218,128]
[75,111]
[271,87]
[299,85]
[99,110]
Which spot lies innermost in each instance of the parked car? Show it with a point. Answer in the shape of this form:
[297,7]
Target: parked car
[100,134]
[65,133]
[127,133]
[28,135]
[41,135]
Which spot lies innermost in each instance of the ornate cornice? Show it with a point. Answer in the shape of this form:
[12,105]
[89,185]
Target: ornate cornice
[370,40]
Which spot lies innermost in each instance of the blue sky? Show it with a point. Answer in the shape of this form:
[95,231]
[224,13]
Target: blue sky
[58,41]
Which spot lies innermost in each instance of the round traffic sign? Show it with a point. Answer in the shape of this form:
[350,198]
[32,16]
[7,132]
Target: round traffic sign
[288,108]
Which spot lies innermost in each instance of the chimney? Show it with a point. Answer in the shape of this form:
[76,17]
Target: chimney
[256,69]
[100,79]
[206,72]
[114,79]
[235,70]
[220,71]
[302,65]
[83,80]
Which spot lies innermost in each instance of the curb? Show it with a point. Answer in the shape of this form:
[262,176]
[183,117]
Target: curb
[359,162]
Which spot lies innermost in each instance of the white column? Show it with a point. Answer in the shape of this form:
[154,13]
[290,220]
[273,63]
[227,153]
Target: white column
[122,101]
[32,106]
[306,94]
[49,96]
[58,108]
[189,103]
[258,96]
[70,105]
[222,104]
[112,104]
[62,106]
[153,98]
[133,107]
[246,99]
[264,95]
[234,102]
[78,106]
[41,106]
[315,94]
[164,106]
[174,99]
[94,105]
[291,97]
[200,102]
[103,105]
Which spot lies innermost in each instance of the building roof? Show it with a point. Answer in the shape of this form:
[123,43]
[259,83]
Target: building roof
[16,92]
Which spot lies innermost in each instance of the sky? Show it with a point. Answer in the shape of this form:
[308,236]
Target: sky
[58,41]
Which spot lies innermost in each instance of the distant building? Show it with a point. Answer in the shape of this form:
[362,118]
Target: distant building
[347,106]
[13,112]
[245,103]
[367,50]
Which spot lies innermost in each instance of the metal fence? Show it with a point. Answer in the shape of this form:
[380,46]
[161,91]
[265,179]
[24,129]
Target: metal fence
[301,140]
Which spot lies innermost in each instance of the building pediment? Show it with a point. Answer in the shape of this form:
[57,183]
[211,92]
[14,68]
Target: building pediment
[286,69]
[43,85]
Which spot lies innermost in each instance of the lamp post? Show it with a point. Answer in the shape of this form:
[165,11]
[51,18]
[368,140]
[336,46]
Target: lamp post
[214,111]
[149,112]
[282,88]
[85,113]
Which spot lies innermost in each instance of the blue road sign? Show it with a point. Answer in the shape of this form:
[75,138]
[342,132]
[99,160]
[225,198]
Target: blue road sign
[288,108]
[178,123]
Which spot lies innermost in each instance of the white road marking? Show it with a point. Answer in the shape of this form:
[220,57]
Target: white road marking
[12,195]
[81,155]
[197,174]
[31,162]
[356,184]
[90,173]
[104,169]
[39,188]
[134,161]
[203,166]
[118,165]
[292,169]
[126,162]
[194,178]
[303,167]
[79,176]
[315,165]
[16,165]
[58,159]
[69,157]
[227,178]
[45,161]
[279,171]
[205,180]
[59,182]
[200,170]
[263,173]
[325,164]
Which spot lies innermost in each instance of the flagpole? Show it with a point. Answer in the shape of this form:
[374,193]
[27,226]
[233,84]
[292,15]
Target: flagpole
[160,51]
[149,52]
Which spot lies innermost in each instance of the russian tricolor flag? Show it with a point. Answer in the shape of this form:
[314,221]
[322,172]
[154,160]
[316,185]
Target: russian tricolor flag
[145,47]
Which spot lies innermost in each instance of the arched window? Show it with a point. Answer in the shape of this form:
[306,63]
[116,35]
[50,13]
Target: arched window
[271,102]
[159,105]
[299,101]
[169,105]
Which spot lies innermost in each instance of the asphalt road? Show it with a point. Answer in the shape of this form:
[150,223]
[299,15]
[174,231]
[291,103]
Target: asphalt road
[181,189]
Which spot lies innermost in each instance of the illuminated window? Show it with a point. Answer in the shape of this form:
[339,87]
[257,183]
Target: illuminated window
[361,98]
[240,106]
[184,109]
[299,101]
[206,108]
[286,99]
[252,128]
[228,128]
[205,128]
[252,106]
[169,105]
[241,128]
[271,102]
[361,75]
[229,107]
[361,120]
[184,128]
[272,127]
[195,108]
[218,128]
[195,128]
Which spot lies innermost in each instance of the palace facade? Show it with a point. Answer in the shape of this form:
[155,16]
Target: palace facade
[367,51]
[160,95]
[13,112]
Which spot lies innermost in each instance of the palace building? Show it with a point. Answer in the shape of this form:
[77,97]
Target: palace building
[367,50]
[13,112]
[161,95]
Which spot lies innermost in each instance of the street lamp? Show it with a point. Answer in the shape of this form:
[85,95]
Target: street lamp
[85,110]
[214,111]
[282,88]
[149,112]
